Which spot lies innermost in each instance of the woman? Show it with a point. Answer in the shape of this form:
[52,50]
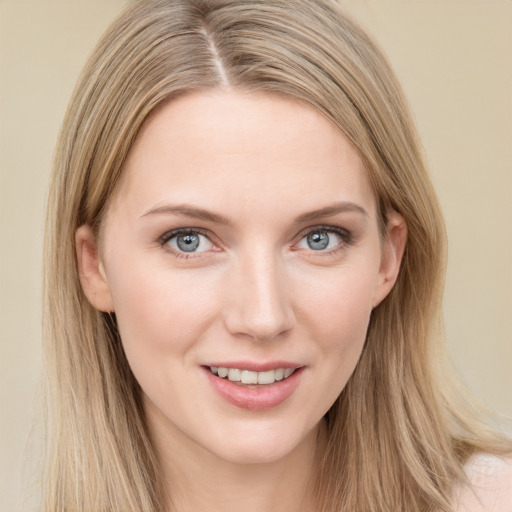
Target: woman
[244,266]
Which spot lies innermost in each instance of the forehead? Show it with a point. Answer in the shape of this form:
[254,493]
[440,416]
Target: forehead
[261,150]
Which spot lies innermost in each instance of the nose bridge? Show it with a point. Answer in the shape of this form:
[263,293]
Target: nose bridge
[260,307]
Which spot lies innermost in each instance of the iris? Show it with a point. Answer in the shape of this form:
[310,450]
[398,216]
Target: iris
[318,240]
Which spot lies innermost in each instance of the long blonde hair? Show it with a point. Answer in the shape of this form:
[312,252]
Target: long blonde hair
[398,438]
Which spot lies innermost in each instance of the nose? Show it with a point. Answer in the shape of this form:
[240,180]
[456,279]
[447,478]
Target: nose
[259,304]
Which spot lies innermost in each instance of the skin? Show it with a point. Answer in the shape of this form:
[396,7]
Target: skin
[254,291]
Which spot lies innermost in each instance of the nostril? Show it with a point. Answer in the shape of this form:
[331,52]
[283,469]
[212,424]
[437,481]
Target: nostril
[260,330]
[259,307]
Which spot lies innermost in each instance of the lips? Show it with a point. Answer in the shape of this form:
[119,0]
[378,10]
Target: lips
[254,387]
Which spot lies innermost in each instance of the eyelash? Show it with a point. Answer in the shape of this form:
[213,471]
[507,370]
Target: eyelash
[346,236]
[167,237]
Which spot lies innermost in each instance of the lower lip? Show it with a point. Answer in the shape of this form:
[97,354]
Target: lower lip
[258,398]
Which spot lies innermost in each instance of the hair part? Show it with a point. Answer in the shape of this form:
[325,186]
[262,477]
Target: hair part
[397,440]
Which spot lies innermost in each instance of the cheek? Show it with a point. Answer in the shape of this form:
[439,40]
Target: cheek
[337,315]
[340,304]
[157,311]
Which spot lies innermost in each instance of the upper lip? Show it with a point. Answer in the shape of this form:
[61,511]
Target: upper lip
[255,366]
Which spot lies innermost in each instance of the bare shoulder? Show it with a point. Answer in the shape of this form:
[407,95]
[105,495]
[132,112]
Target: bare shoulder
[491,485]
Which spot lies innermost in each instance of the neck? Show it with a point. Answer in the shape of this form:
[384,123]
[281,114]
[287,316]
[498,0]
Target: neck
[198,480]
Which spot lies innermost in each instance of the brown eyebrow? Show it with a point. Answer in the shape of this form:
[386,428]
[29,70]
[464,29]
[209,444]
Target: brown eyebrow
[201,214]
[333,209]
[189,211]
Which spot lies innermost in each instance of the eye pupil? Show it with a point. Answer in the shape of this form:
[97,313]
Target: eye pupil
[318,240]
[187,243]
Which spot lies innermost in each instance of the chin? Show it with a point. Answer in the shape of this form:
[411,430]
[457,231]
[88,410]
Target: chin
[262,446]
[253,454]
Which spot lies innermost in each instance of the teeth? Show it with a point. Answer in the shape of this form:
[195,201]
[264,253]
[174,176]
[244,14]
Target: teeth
[267,377]
[234,375]
[250,377]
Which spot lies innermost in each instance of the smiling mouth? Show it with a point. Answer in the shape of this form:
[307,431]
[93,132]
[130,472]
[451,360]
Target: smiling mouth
[251,377]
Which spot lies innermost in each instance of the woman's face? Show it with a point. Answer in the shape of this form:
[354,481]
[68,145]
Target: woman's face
[242,240]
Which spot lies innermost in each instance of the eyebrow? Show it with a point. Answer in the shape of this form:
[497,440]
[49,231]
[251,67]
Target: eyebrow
[334,209]
[202,214]
[190,212]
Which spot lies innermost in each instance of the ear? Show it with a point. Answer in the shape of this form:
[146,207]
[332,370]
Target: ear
[392,253]
[92,273]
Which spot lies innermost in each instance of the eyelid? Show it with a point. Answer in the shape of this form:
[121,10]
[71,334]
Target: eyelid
[169,235]
[163,239]
[345,235]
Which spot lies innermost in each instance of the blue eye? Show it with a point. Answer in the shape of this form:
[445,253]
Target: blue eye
[320,240]
[189,242]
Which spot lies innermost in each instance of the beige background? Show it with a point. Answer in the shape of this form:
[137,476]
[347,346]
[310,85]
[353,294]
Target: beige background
[454,60]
